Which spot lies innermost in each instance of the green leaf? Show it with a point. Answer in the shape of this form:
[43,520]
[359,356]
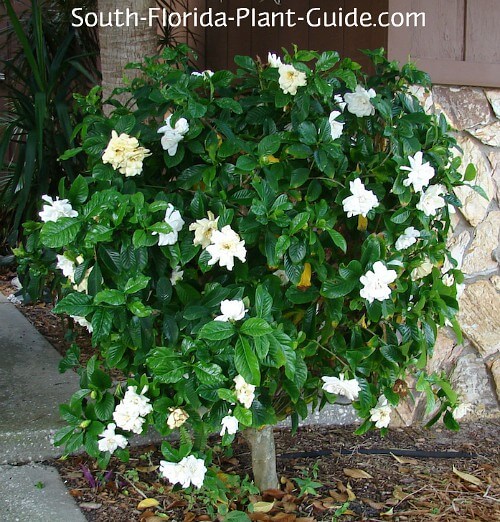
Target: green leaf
[401,216]
[299,222]
[470,172]
[139,309]
[135,284]
[114,353]
[110,296]
[125,124]
[269,145]
[168,367]
[308,133]
[75,304]
[256,327]
[327,60]
[216,331]
[243,415]
[338,240]
[79,190]
[246,361]
[102,321]
[105,407]
[209,373]
[299,176]
[263,302]
[236,516]
[337,288]
[56,234]
[246,163]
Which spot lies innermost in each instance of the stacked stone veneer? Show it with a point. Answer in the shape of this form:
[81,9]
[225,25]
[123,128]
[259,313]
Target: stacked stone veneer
[473,366]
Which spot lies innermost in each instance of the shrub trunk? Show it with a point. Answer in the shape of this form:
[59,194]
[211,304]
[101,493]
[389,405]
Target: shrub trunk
[263,450]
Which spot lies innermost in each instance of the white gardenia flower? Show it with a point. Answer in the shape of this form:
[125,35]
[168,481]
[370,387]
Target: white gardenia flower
[376,283]
[340,101]
[229,425]
[203,229]
[138,400]
[125,154]
[361,201]
[177,418]
[274,60]
[110,441]
[206,75]
[127,418]
[281,274]
[336,127]
[82,322]
[177,275]
[419,173]
[291,79]
[226,245]
[56,208]
[381,414]
[431,200]
[174,219]
[232,310]
[340,386]
[189,471]
[172,136]
[409,238]
[422,271]
[67,266]
[358,102]
[245,393]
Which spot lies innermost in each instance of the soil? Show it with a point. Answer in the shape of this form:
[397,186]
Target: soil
[345,487]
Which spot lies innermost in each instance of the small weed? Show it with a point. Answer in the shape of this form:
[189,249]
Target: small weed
[39,485]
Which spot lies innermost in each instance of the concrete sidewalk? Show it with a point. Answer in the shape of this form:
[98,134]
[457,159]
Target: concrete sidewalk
[31,389]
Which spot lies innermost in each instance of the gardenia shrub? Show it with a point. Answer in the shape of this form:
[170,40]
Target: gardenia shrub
[246,244]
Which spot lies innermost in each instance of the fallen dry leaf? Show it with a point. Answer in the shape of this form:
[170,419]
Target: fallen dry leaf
[261,517]
[284,517]
[357,473]
[405,460]
[147,503]
[146,469]
[375,505]
[398,493]
[467,477]
[262,507]
[90,505]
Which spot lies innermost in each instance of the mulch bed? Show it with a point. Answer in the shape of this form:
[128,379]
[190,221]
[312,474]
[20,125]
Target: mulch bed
[357,487]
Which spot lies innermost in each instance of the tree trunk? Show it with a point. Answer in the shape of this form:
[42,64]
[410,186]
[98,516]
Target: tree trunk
[121,45]
[263,449]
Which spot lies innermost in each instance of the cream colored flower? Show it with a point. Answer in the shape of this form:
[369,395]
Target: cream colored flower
[291,79]
[229,425]
[431,200]
[203,229]
[381,414]
[336,127]
[177,418]
[177,275]
[358,102]
[56,208]
[419,173]
[422,271]
[341,386]
[376,283]
[125,154]
[245,393]
[274,60]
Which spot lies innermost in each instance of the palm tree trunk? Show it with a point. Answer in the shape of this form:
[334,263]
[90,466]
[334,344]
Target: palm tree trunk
[263,449]
[121,45]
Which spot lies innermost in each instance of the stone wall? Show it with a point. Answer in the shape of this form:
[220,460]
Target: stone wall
[473,366]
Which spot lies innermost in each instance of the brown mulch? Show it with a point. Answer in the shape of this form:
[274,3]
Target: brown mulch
[355,487]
